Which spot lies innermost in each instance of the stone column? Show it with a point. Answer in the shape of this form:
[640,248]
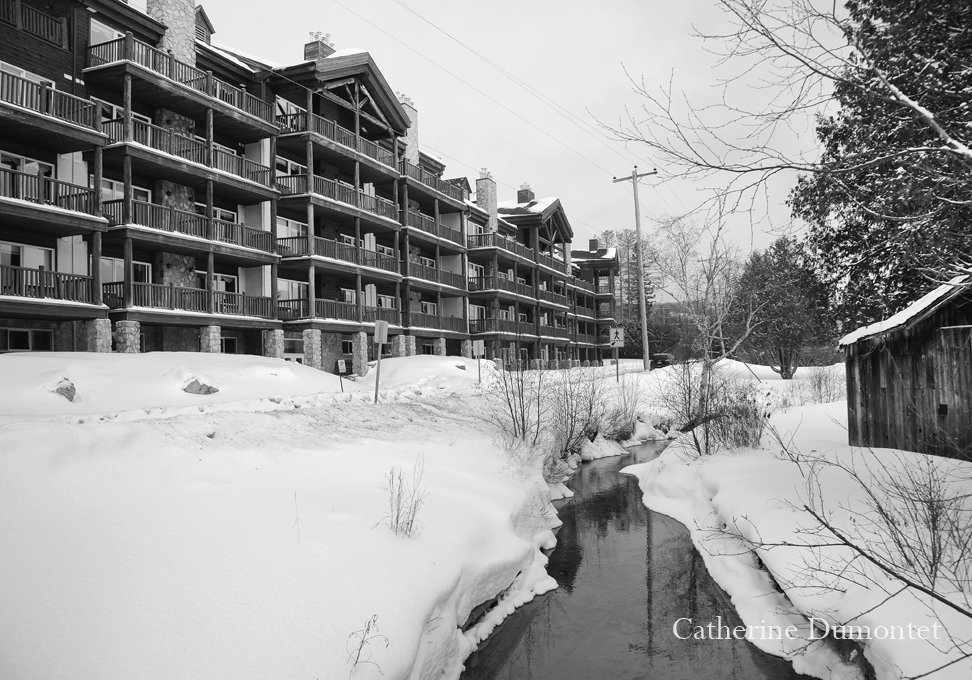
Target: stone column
[359,353]
[97,333]
[439,347]
[466,349]
[127,337]
[312,348]
[410,345]
[399,346]
[273,344]
[210,339]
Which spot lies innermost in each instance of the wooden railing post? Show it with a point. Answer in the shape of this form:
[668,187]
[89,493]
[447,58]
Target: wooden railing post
[18,14]
[129,46]
[64,32]
[44,103]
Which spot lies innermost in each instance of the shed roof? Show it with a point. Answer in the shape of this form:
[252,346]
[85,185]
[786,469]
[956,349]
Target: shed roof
[913,313]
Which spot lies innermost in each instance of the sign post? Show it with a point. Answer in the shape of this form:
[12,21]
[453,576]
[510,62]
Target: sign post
[479,351]
[381,337]
[617,341]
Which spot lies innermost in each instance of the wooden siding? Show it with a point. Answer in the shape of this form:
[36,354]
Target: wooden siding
[912,388]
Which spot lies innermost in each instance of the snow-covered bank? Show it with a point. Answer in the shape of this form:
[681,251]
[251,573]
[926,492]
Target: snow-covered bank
[243,533]
[744,510]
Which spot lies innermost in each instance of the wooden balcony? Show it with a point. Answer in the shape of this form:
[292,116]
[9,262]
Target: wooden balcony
[555,331]
[333,310]
[428,225]
[38,115]
[189,149]
[172,220]
[426,178]
[484,283]
[51,29]
[427,273]
[45,284]
[480,326]
[44,203]
[163,80]
[494,240]
[581,284]
[197,300]
[552,297]
[445,323]
[309,246]
[328,129]
[345,194]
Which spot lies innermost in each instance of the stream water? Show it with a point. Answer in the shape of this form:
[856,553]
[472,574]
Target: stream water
[625,575]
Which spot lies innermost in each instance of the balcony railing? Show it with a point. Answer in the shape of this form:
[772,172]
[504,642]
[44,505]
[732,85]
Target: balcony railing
[164,64]
[290,310]
[554,331]
[549,261]
[337,191]
[582,284]
[48,102]
[604,288]
[298,122]
[493,240]
[586,311]
[445,323]
[158,296]
[428,225]
[44,283]
[188,148]
[501,326]
[303,246]
[44,26]
[372,314]
[431,181]
[553,297]
[171,219]
[46,191]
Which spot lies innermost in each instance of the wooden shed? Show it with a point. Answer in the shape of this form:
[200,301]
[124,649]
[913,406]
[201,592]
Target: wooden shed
[909,377]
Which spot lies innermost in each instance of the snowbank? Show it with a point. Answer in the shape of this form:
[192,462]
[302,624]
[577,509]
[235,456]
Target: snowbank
[238,542]
[744,510]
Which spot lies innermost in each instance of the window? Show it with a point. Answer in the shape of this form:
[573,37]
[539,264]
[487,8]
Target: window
[26,340]
[385,250]
[347,347]
[522,317]
[218,213]
[427,349]
[520,279]
[476,270]
[427,261]
[347,239]
[31,257]
[7,67]
[503,275]
[503,314]
[222,283]
[386,301]
[114,190]
[102,33]
[293,342]
[287,228]
[228,345]
[293,290]
[113,270]
[285,166]
[348,295]
[429,308]
[477,312]
[111,111]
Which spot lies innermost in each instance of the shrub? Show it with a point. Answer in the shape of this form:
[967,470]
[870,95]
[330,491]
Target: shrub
[405,498]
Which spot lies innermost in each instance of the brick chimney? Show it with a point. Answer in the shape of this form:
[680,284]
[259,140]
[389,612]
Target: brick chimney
[320,46]
[486,198]
[525,194]
[593,245]
[179,18]
[412,134]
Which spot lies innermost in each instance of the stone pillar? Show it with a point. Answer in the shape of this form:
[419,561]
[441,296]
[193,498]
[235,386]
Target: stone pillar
[97,333]
[127,337]
[439,347]
[273,344]
[359,353]
[312,348]
[410,345]
[466,349]
[399,346]
[210,339]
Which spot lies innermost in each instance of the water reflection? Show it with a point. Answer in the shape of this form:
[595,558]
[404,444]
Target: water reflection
[625,575]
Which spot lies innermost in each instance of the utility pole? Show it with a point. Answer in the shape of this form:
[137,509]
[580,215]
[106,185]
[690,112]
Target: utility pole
[640,263]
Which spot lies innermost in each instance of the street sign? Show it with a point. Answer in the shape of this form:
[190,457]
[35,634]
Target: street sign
[381,332]
[617,336]
[342,366]
[479,348]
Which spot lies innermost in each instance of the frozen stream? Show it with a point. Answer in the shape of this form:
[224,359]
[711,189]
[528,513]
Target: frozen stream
[625,574]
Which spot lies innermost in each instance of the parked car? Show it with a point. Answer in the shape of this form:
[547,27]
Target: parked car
[661,360]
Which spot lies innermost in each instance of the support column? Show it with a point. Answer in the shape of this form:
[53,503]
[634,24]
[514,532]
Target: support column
[210,149]
[273,344]
[127,105]
[210,272]
[399,346]
[311,292]
[466,349]
[127,189]
[210,339]
[359,296]
[127,284]
[439,347]
[359,353]
[127,339]
[98,335]
[312,348]
[96,283]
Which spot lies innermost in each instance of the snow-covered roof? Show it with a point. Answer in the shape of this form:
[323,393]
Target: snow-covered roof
[345,52]
[536,206]
[602,254]
[913,313]
[237,56]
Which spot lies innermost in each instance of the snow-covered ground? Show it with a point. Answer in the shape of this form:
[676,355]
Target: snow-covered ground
[741,506]
[153,533]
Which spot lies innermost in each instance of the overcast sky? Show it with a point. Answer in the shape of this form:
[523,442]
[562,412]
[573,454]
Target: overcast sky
[473,116]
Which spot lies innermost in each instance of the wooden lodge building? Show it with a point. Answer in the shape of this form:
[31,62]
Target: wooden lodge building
[909,378]
[160,192]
